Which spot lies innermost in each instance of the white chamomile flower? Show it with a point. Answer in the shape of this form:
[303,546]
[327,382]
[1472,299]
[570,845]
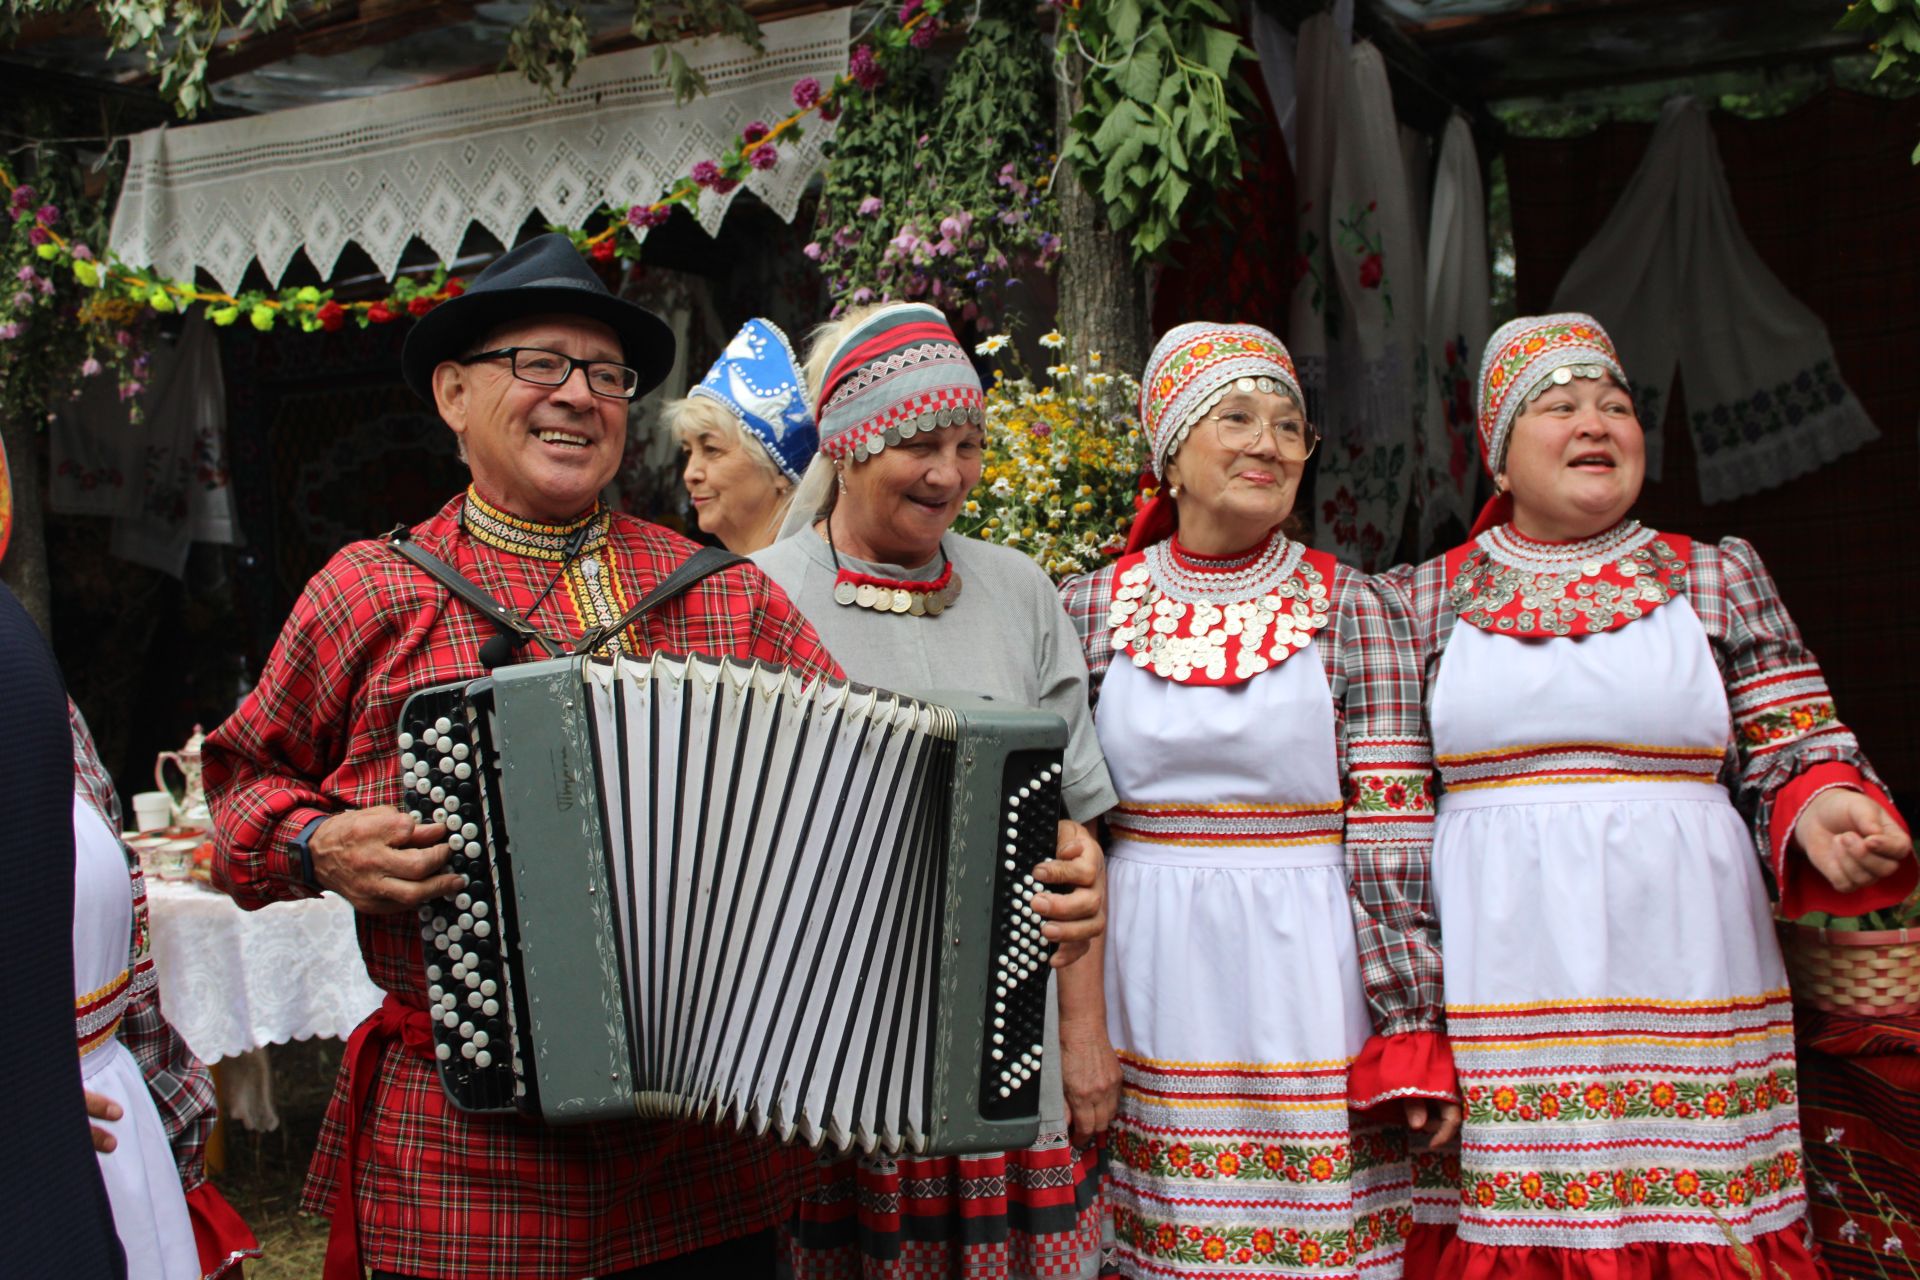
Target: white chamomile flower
[993,346]
[1053,338]
[1059,370]
[1001,488]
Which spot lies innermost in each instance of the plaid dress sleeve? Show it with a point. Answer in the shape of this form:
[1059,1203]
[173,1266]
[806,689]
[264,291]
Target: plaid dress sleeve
[1085,599]
[264,764]
[181,1085]
[1789,743]
[1388,766]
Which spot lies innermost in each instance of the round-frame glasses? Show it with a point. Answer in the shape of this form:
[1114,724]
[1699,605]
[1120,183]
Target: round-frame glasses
[1293,438]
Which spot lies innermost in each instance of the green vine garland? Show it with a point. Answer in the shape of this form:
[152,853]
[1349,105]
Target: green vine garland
[945,197]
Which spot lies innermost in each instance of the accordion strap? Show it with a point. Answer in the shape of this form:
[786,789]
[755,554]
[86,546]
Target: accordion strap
[703,563]
[464,587]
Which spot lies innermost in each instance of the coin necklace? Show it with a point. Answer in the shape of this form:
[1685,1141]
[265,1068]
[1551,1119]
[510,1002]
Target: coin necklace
[893,595]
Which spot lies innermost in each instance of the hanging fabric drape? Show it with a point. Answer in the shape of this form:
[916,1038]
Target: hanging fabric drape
[1459,318]
[1375,387]
[432,162]
[1675,281]
[1320,82]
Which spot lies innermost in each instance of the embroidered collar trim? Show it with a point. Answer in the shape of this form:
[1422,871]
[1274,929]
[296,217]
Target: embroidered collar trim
[1216,621]
[1510,584]
[514,535]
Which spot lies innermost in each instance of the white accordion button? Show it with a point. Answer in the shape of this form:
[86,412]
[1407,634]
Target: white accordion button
[460,752]
[467,1050]
[470,831]
[463,901]
[442,1052]
[449,1019]
[488,986]
[481,928]
[406,741]
[463,771]
[485,1059]
[442,724]
[480,1039]
[480,909]
[490,1007]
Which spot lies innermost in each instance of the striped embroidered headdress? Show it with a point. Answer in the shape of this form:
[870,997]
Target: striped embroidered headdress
[900,372]
[1526,355]
[1192,369]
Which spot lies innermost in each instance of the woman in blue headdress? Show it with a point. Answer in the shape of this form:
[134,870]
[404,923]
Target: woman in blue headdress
[747,433]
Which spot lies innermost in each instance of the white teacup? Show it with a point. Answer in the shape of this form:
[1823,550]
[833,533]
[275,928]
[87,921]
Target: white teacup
[152,810]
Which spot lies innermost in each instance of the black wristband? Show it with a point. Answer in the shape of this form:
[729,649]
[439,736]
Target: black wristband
[303,842]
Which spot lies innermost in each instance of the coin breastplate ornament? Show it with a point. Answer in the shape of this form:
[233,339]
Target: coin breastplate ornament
[1199,620]
[1509,584]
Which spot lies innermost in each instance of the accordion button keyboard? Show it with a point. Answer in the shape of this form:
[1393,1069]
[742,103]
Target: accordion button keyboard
[441,779]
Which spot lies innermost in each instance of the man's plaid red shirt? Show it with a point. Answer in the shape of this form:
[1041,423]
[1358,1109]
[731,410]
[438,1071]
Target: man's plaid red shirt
[441,1192]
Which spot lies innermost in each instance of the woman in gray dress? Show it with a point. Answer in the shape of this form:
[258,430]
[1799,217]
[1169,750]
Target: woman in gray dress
[904,603]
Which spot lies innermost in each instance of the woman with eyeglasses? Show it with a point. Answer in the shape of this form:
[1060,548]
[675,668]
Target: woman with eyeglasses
[1246,687]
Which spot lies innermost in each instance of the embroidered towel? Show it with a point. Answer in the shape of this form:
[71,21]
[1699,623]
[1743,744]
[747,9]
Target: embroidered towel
[1675,280]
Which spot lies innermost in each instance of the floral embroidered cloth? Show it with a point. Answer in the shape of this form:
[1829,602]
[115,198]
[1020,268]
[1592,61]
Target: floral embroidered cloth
[1675,280]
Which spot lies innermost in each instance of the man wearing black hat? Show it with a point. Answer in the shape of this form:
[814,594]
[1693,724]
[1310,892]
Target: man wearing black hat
[534,369]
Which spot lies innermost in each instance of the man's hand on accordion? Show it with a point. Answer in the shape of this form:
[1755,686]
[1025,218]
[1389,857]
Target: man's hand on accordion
[1075,903]
[381,860]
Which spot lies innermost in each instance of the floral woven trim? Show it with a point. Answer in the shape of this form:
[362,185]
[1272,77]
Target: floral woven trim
[1223,1159]
[1169,1246]
[1506,584]
[1221,622]
[1781,708]
[514,535]
[1560,763]
[1700,1099]
[1745,1187]
[1229,825]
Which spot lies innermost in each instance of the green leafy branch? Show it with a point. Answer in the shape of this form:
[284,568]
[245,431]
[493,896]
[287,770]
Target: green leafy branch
[553,39]
[1160,103]
[1894,28]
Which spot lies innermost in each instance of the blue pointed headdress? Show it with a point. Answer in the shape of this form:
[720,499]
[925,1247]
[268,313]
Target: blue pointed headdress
[759,382]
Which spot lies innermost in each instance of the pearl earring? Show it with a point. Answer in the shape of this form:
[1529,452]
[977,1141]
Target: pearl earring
[1173,491]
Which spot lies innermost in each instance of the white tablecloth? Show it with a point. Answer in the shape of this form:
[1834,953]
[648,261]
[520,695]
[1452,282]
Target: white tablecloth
[233,980]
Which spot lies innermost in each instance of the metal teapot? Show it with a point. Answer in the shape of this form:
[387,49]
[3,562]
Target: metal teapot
[190,800]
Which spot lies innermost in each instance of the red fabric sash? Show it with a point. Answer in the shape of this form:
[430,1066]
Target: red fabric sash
[220,1234]
[391,1022]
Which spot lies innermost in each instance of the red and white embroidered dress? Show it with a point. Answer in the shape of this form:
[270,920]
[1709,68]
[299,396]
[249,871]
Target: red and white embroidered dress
[1261,728]
[439,1192]
[1616,724]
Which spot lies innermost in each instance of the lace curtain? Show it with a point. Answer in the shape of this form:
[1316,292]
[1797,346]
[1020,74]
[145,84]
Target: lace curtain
[431,162]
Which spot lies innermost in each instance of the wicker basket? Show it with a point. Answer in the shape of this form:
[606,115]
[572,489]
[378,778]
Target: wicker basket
[1875,975]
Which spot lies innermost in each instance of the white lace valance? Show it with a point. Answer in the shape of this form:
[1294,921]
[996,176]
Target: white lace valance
[431,162]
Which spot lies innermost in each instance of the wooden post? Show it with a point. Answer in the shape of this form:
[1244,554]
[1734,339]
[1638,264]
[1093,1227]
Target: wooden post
[1103,296]
[25,567]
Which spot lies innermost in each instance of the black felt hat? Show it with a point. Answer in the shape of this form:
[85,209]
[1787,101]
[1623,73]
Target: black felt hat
[544,276]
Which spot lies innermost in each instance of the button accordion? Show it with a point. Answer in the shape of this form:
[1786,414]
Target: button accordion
[706,888]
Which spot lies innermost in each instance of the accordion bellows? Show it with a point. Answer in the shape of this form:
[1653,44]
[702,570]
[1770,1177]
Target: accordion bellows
[705,888]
